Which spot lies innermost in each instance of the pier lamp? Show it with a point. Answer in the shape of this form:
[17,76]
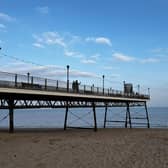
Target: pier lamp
[149,91]
[139,89]
[103,83]
[68,78]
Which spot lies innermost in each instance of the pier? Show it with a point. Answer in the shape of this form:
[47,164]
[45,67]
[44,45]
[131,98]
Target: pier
[26,91]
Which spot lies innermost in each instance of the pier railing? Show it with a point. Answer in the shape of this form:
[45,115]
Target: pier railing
[11,80]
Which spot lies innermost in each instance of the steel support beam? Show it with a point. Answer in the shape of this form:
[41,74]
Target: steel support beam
[11,114]
[94,115]
[129,114]
[105,116]
[147,116]
[126,118]
[66,116]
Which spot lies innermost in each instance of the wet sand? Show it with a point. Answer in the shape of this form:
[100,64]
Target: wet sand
[107,148]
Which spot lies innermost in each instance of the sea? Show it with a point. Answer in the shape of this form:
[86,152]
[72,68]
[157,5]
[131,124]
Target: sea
[83,117]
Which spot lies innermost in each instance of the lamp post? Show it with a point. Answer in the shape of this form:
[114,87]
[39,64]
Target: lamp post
[149,92]
[103,83]
[28,77]
[68,78]
[139,89]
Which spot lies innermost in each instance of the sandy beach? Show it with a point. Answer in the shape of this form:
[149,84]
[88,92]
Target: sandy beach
[118,148]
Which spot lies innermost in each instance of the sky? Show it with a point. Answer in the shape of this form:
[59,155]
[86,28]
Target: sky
[125,40]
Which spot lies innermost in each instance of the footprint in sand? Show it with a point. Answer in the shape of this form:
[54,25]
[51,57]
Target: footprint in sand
[36,140]
[41,165]
[53,141]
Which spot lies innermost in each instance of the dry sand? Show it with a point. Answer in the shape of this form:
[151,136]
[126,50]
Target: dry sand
[107,148]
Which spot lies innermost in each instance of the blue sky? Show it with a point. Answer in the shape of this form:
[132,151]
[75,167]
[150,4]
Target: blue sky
[124,40]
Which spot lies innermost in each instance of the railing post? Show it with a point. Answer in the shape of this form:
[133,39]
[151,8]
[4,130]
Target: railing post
[84,88]
[92,88]
[15,80]
[103,84]
[28,77]
[68,78]
[57,85]
[32,80]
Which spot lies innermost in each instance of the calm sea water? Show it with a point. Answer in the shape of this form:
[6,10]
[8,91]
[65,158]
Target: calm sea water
[54,118]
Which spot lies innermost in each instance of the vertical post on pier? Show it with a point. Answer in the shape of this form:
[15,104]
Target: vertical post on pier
[66,116]
[149,92]
[67,78]
[45,84]
[147,116]
[94,115]
[15,80]
[11,109]
[105,116]
[84,88]
[57,85]
[32,80]
[103,84]
[28,77]
[129,114]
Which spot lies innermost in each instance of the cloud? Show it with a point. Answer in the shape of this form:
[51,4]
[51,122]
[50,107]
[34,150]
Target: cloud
[159,50]
[99,40]
[43,9]
[76,73]
[2,26]
[38,45]
[110,68]
[50,38]
[5,17]
[149,60]
[122,57]
[115,76]
[160,54]
[95,56]
[88,61]
[72,54]
[47,71]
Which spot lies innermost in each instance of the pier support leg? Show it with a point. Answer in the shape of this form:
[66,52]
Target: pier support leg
[11,114]
[126,118]
[105,116]
[129,114]
[94,115]
[147,116]
[66,116]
